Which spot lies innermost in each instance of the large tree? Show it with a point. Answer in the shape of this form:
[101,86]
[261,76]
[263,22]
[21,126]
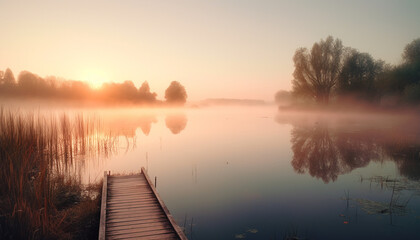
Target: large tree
[403,81]
[411,69]
[7,78]
[411,52]
[144,93]
[359,76]
[176,94]
[116,92]
[316,72]
[32,85]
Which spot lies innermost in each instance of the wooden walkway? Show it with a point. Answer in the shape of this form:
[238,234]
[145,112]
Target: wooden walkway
[132,209]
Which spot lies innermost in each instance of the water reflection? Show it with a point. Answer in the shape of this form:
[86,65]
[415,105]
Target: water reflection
[126,123]
[326,149]
[326,154]
[407,158]
[145,123]
[176,122]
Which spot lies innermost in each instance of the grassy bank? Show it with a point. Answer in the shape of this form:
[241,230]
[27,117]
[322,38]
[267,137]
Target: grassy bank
[41,194]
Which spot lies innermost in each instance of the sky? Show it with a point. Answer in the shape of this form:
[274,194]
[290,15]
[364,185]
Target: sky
[216,49]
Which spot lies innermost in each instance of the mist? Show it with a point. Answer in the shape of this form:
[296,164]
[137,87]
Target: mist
[336,77]
[210,119]
[29,87]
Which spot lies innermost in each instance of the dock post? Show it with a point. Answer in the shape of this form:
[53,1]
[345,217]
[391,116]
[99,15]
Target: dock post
[102,220]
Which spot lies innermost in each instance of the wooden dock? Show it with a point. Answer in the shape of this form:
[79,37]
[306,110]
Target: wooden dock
[132,209]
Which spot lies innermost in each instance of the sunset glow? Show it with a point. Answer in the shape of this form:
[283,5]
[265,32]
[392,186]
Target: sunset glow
[95,78]
[210,119]
[209,46]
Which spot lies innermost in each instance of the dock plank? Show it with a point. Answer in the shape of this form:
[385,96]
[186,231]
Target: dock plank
[138,233]
[132,209]
[137,220]
[139,225]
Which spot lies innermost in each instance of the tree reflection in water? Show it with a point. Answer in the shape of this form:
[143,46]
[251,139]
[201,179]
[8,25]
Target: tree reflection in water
[407,157]
[326,154]
[126,123]
[326,150]
[176,122]
[145,123]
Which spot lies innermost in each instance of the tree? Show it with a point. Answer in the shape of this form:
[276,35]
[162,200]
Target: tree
[116,92]
[176,94]
[8,78]
[359,75]
[145,94]
[316,72]
[411,52]
[402,82]
[282,97]
[31,85]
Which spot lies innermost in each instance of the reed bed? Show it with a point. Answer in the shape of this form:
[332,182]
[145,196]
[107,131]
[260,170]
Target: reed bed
[41,194]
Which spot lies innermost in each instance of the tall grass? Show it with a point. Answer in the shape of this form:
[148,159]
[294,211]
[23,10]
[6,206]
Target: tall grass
[40,161]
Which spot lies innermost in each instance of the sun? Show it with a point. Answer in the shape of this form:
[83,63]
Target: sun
[95,78]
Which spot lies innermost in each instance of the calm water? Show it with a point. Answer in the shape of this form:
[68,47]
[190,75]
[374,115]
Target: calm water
[256,173]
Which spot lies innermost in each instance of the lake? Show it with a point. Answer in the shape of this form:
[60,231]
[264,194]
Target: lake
[259,173]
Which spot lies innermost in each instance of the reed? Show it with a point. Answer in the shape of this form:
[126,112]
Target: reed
[40,183]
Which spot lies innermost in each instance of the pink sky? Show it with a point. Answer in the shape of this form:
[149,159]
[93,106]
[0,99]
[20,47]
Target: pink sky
[230,49]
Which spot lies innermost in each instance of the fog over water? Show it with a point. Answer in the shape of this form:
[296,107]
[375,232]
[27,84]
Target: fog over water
[257,120]
[259,172]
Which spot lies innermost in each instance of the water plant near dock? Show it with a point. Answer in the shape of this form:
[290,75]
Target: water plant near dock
[41,193]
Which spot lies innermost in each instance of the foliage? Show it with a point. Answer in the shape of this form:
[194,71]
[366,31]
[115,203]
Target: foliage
[359,75]
[145,94]
[8,78]
[316,72]
[330,70]
[411,54]
[30,85]
[282,97]
[176,94]
[39,193]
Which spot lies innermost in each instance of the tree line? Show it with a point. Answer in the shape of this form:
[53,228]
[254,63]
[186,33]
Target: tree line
[29,85]
[331,72]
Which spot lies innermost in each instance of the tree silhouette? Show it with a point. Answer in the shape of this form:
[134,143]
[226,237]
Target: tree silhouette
[145,94]
[411,70]
[7,83]
[358,76]
[316,72]
[32,85]
[8,78]
[411,52]
[283,97]
[115,92]
[75,90]
[329,68]
[403,81]
[176,94]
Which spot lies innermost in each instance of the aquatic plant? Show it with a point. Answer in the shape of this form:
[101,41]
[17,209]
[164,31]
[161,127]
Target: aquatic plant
[40,161]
